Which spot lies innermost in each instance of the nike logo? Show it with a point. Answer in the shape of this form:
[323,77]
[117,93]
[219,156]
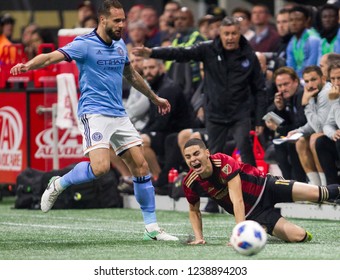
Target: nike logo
[153,238]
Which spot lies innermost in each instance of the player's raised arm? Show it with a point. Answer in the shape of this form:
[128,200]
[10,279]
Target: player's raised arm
[40,61]
[138,83]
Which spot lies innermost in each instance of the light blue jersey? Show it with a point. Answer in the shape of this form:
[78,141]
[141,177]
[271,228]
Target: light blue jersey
[101,67]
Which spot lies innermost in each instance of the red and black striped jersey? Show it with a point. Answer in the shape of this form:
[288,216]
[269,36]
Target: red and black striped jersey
[226,168]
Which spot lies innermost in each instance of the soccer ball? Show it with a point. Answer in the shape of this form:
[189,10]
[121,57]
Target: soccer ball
[248,238]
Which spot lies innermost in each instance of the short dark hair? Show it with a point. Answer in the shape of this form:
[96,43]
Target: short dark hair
[301,9]
[333,65]
[312,68]
[329,7]
[283,11]
[286,70]
[106,5]
[242,10]
[194,142]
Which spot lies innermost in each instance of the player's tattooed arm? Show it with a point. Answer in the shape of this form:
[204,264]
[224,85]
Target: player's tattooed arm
[137,81]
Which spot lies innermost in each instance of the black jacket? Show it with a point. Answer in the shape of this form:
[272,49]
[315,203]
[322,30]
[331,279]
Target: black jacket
[293,113]
[229,77]
[181,114]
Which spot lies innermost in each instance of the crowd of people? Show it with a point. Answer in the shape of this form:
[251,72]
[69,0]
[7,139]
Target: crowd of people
[259,68]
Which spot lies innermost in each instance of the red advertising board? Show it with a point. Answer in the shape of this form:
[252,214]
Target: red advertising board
[13,135]
[70,148]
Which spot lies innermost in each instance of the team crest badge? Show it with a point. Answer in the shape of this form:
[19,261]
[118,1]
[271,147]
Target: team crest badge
[120,51]
[97,136]
[245,63]
[226,169]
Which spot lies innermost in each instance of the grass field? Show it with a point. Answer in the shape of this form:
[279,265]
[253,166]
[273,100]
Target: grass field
[115,234]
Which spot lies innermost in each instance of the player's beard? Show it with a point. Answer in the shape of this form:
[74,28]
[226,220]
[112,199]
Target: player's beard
[112,34]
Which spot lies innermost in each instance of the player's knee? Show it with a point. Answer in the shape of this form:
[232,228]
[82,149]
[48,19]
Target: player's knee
[100,169]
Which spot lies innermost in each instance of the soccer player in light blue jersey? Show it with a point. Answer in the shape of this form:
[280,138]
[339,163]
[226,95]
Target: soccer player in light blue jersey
[102,61]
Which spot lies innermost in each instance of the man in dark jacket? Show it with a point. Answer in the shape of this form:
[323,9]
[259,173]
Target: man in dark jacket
[287,105]
[232,74]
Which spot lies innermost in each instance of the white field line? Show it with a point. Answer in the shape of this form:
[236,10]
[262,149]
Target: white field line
[215,223]
[73,228]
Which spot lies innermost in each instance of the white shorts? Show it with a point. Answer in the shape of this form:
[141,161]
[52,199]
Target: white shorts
[102,131]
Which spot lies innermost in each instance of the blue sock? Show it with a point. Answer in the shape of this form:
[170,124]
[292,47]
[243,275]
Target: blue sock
[145,195]
[81,173]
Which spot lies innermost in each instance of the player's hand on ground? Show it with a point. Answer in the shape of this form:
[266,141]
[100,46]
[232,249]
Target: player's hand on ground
[18,69]
[197,242]
[141,51]
[163,104]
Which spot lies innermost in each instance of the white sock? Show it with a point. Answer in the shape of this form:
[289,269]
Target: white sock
[152,227]
[323,179]
[313,178]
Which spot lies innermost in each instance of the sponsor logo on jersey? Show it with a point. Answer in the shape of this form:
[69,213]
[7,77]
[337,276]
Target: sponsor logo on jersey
[119,61]
[11,133]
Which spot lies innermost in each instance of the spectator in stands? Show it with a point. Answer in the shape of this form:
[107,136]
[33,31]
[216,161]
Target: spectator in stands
[203,26]
[317,109]
[232,75]
[328,145]
[216,11]
[85,9]
[134,13]
[214,27]
[38,37]
[185,36]
[150,18]
[26,38]
[170,8]
[303,47]
[282,26]
[90,22]
[137,34]
[266,38]
[3,42]
[329,29]
[244,16]
[326,60]
[8,23]
[287,105]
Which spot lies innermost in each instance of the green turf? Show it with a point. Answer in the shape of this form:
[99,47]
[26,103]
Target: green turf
[112,234]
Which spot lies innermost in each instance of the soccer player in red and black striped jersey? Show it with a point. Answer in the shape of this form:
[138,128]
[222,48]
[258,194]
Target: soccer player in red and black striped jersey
[245,192]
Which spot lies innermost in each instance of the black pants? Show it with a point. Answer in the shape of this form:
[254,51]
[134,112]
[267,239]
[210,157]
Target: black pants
[219,133]
[328,153]
[289,162]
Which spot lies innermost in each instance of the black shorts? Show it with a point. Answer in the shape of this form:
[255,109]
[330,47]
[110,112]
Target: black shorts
[276,191]
[157,142]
